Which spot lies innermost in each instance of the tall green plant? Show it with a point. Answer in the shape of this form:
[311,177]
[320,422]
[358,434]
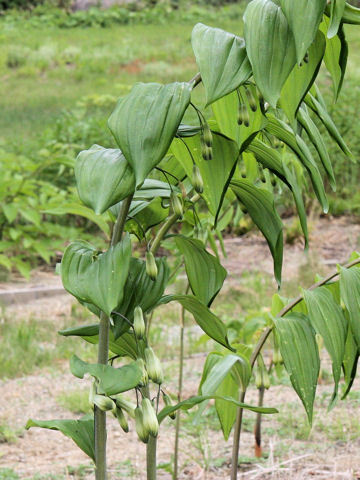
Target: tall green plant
[263,96]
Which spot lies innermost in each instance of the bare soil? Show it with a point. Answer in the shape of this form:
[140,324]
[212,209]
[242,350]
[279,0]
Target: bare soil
[330,451]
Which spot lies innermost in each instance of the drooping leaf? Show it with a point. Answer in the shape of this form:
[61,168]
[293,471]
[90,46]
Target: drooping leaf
[350,362]
[216,173]
[301,78]
[350,295]
[299,350]
[125,346]
[318,142]
[270,46]
[337,8]
[192,401]
[111,380]
[226,411]
[145,122]
[304,17]
[328,320]
[151,189]
[327,121]
[335,58]
[207,321]
[103,177]
[199,264]
[283,132]
[226,111]
[80,431]
[222,60]
[96,278]
[260,205]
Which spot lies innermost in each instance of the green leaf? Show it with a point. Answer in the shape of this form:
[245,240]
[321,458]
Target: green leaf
[335,58]
[327,121]
[80,431]
[222,60]
[318,142]
[226,112]
[300,353]
[301,78]
[328,320]
[96,278]
[260,205]
[151,189]
[216,173]
[192,401]
[337,8]
[304,17]
[31,216]
[350,295]
[10,211]
[103,177]
[207,321]
[125,346]
[350,362]
[230,364]
[351,15]
[270,46]
[199,264]
[145,122]
[77,209]
[140,222]
[141,291]
[111,380]
[284,133]
[226,411]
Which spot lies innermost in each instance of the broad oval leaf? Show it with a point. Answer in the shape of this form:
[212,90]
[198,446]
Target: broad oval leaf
[237,364]
[351,14]
[304,17]
[80,431]
[260,205]
[299,350]
[350,362]
[145,122]
[337,8]
[328,320]
[270,46]
[207,321]
[216,173]
[222,60]
[111,380]
[96,278]
[301,78]
[103,177]
[350,295]
[200,265]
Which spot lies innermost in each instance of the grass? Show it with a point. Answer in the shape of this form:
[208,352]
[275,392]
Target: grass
[48,69]
[77,401]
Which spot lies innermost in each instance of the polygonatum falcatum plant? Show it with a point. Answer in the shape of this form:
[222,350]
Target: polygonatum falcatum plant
[266,133]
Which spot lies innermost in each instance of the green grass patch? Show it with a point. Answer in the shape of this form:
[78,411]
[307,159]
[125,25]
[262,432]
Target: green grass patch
[77,401]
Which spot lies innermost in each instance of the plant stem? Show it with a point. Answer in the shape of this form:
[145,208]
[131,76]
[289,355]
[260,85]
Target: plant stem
[180,384]
[151,458]
[103,354]
[258,451]
[236,441]
[121,220]
[99,415]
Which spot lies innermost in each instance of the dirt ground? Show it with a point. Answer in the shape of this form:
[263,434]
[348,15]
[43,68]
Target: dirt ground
[330,451]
